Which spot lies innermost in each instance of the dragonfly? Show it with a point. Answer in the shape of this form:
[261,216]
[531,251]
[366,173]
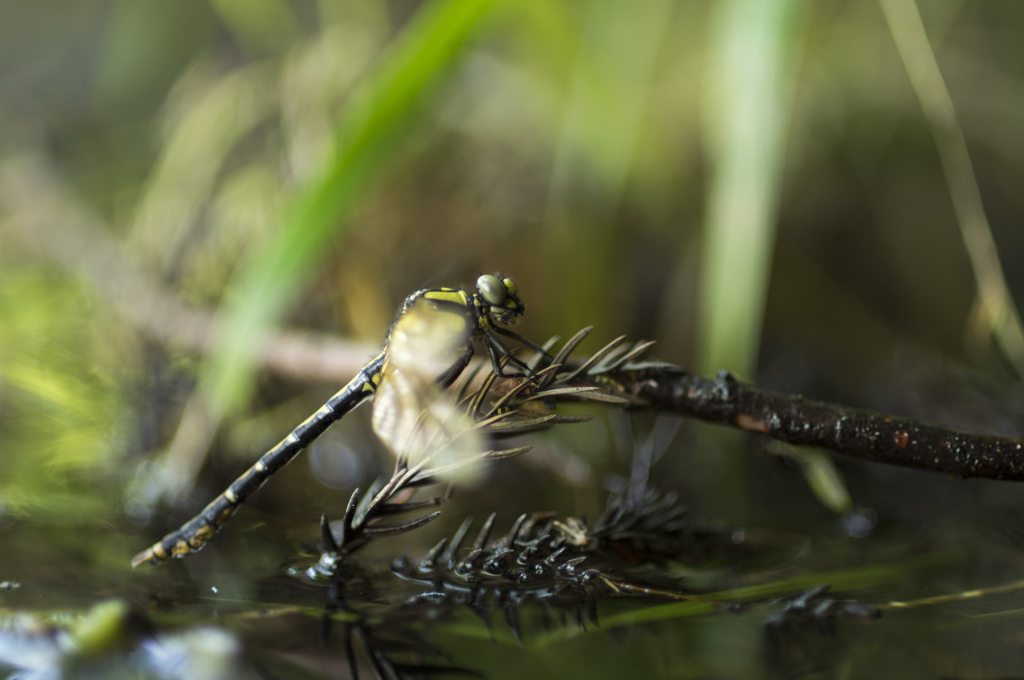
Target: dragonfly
[434,329]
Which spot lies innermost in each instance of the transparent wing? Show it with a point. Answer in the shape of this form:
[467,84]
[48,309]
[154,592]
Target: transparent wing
[419,423]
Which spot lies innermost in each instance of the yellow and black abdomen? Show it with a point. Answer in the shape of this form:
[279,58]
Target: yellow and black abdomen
[429,345]
[194,534]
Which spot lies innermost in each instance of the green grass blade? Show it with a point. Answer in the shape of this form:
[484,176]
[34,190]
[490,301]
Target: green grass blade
[753,44]
[378,117]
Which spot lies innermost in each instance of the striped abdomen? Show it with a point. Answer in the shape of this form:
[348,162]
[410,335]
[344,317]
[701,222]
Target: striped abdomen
[197,531]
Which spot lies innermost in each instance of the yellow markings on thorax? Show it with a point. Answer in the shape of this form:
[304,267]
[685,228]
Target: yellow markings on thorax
[458,297]
[452,325]
[428,338]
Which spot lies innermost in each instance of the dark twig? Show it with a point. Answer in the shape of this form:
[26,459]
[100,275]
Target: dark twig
[861,433]
[804,422]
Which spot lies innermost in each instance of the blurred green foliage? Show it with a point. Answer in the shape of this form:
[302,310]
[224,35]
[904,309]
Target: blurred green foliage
[60,424]
[310,164]
[751,183]
[376,114]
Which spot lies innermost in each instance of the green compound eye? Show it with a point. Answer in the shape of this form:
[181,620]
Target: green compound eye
[492,289]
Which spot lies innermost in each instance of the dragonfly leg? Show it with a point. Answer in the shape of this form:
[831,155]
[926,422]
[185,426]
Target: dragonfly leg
[497,350]
[518,338]
[452,374]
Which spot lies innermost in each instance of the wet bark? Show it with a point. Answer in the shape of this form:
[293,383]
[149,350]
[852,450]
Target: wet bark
[805,422]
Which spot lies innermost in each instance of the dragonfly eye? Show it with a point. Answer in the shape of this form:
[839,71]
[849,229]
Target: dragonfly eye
[493,290]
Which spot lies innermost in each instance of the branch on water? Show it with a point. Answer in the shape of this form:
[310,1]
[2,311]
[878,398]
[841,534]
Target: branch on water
[804,422]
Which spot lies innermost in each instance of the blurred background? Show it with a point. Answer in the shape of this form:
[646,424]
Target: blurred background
[210,211]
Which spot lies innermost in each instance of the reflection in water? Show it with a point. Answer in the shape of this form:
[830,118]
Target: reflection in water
[559,568]
[546,577]
[711,605]
[113,640]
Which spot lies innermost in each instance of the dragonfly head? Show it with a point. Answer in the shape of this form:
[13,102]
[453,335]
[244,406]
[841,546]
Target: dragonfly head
[502,298]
